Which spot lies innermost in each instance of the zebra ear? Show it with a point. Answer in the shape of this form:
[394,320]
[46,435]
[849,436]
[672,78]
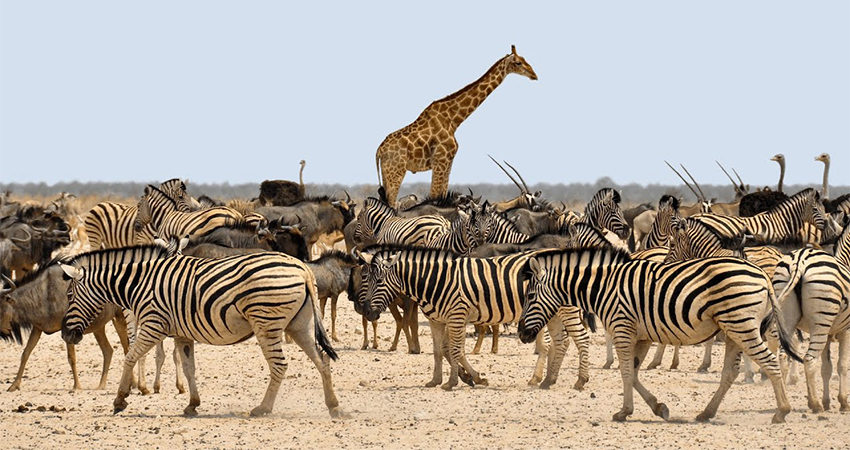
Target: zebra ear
[183,243]
[71,272]
[536,270]
[391,260]
[363,258]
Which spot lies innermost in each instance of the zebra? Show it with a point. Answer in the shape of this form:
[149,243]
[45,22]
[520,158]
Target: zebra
[159,210]
[659,232]
[378,222]
[641,302]
[603,212]
[814,291]
[111,225]
[452,291]
[779,224]
[220,302]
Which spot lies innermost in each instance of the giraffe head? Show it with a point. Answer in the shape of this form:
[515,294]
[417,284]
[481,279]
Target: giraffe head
[517,64]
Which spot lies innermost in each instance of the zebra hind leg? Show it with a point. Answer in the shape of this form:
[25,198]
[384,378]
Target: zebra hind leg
[175,355]
[609,351]
[660,409]
[305,338]
[625,346]
[145,339]
[826,374]
[159,361]
[843,357]
[437,331]
[455,338]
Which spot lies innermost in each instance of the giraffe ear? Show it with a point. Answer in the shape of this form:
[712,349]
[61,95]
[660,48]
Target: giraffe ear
[513,49]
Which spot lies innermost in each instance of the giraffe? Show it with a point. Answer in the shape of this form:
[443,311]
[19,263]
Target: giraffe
[429,142]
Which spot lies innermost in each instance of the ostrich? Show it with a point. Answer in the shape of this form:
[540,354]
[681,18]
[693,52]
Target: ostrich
[824,158]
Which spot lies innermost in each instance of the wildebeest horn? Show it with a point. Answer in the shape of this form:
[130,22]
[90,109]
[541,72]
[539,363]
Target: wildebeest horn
[684,180]
[28,238]
[9,282]
[694,180]
[347,197]
[518,174]
[508,174]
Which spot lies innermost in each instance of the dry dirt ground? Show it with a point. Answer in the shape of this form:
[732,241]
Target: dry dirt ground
[390,408]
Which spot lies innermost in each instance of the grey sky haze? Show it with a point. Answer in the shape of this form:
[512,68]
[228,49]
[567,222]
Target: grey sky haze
[220,91]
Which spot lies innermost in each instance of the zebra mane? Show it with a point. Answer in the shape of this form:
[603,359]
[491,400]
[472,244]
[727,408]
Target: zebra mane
[674,202]
[29,277]
[125,255]
[614,253]
[382,248]
[728,242]
[154,191]
[374,203]
[502,219]
[447,200]
[799,197]
[591,229]
[334,254]
[605,191]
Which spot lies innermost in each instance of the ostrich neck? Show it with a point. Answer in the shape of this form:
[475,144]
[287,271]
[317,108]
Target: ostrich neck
[825,191]
[781,175]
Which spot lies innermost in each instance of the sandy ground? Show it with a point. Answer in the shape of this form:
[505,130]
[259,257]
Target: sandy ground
[384,393]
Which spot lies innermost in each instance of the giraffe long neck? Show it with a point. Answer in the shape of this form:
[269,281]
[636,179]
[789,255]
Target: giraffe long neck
[462,103]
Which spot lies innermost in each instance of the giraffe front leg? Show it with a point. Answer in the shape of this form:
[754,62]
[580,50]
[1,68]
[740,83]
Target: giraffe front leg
[441,167]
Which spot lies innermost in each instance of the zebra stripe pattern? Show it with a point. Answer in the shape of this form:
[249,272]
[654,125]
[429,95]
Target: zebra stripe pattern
[219,302]
[642,302]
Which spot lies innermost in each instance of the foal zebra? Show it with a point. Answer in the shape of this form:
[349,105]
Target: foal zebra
[219,302]
[642,302]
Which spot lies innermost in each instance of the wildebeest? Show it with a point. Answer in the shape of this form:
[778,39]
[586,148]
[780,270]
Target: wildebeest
[318,216]
[39,303]
[332,270]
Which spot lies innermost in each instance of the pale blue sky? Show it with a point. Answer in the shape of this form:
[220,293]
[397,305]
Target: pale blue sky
[240,91]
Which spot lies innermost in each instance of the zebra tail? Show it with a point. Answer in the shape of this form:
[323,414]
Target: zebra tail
[590,320]
[321,334]
[784,335]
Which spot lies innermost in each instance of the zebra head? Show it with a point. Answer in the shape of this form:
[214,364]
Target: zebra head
[381,281]
[603,211]
[482,223]
[816,214]
[540,303]
[679,241]
[83,307]
[143,213]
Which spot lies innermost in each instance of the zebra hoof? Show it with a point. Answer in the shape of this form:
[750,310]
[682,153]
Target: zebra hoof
[119,405]
[579,386]
[145,391]
[546,384]
[844,408]
[779,417]
[482,382]
[191,412]
[256,412]
[701,369]
[338,413]
[621,416]
[704,417]
[651,366]
[414,351]
[433,383]
[662,411]
[466,378]
[447,387]
[815,407]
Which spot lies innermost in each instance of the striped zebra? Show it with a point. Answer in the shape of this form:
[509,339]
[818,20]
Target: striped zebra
[220,302]
[659,232]
[814,296]
[452,291]
[781,223]
[160,211]
[381,224]
[641,302]
[603,213]
[111,225]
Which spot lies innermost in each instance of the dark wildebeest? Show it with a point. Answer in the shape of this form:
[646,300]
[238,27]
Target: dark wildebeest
[39,304]
[332,270]
[407,320]
[318,216]
[630,214]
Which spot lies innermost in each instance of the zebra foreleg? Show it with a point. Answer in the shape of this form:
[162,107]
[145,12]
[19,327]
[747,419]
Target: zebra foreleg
[609,351]
[480,330]
[542,352]
[399,326]
[437,331]
[843,357]
[145,339]
[826,374]
[625,346]
[495,330]
[706,357]
[659,356]
[555,355]
[674,364]
[456,334]
[159,360]
[187,346]
[411,323]
[660,409]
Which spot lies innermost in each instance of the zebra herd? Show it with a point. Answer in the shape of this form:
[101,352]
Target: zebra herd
[461,261]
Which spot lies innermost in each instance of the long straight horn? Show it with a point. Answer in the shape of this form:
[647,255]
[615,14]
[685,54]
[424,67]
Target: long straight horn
[738,189]
[739,177]
[508,174]
[702,196]
[518,174]
[683,180]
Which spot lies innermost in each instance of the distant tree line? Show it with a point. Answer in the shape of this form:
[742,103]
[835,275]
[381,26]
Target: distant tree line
[571,194]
